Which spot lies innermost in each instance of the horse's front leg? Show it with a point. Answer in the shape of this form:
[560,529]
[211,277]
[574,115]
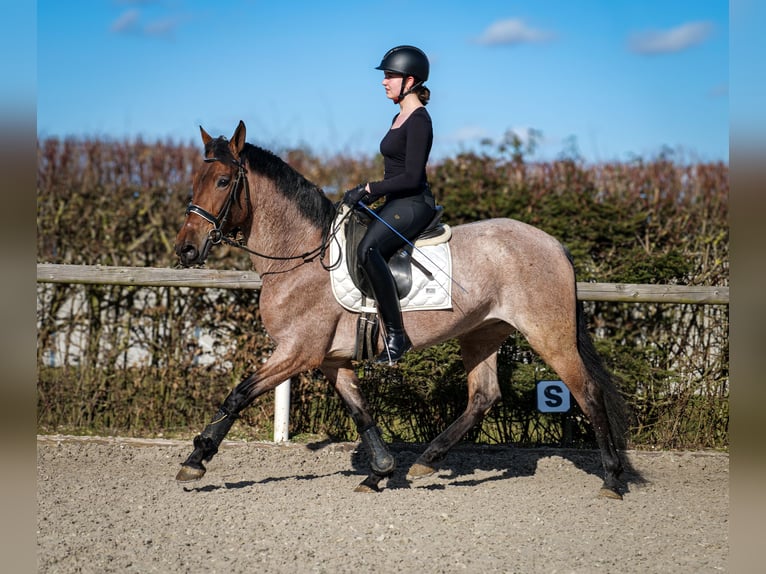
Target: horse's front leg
[382,462]
[277,369]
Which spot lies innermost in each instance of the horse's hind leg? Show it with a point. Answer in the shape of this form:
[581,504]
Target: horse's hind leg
[479,351]
[608,411]
[580,367]
[591,400]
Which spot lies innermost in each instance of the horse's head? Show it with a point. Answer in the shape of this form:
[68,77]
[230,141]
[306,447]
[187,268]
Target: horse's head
[218,194]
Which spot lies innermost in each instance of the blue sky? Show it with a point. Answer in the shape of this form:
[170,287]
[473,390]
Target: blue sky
[621,79]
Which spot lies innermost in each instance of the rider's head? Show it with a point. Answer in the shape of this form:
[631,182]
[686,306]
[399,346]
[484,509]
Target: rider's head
[411,65]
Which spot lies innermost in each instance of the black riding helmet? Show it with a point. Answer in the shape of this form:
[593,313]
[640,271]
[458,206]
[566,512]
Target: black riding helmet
[408,61]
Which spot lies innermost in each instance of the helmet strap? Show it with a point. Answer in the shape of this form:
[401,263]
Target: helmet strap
[402,93]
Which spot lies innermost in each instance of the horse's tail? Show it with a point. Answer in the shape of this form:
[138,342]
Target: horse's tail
[616,408]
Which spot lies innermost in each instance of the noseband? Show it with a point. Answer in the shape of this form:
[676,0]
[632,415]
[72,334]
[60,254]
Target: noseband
[216,235]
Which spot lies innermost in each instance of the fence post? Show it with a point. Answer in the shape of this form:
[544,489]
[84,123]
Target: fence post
[282,412]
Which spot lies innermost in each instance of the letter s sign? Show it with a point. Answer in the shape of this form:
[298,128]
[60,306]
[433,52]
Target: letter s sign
[552,397]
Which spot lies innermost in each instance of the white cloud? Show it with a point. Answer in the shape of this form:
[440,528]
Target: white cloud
[672,40]
[512,31]
[467,134]
[130,22]
[126,22]
[164,27]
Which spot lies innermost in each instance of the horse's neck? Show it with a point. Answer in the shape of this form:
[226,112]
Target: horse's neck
[278,230]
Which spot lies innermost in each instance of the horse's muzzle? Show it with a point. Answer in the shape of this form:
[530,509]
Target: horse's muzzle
[189,255]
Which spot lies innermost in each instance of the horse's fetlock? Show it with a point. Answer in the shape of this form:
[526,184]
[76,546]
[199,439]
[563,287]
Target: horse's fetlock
[382,461]
[206,446]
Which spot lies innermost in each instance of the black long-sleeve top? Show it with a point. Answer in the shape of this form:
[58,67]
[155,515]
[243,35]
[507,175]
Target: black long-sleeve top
[405,153]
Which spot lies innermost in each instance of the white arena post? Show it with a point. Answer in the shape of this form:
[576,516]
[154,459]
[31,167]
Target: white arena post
[282,412]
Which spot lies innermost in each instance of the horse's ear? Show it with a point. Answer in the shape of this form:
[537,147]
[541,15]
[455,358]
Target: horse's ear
[238,139]
[206,139]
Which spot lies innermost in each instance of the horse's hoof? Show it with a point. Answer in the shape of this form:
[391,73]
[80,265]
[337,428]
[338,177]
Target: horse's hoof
[419,470]
[190,474]
[609,493]
[369,484]
[366,488]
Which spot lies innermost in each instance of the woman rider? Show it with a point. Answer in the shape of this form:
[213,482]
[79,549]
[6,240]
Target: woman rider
[409,204]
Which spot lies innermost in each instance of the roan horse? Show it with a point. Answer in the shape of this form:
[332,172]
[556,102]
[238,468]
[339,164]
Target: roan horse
[512,276]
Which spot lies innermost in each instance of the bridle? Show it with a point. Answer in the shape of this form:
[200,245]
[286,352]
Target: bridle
[216,234]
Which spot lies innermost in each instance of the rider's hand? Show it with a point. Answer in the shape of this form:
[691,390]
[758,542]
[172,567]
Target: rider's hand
[357,194]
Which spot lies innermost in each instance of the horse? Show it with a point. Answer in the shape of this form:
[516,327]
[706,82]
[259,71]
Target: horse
[512,277]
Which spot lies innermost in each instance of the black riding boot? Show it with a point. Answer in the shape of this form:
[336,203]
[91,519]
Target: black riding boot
[382,282]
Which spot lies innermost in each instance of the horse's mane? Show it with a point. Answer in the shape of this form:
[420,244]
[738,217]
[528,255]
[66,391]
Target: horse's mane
[308,197]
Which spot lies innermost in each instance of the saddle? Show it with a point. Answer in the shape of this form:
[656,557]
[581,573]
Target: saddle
[401,262]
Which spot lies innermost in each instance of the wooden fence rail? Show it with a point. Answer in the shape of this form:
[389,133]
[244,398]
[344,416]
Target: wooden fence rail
[210,278]
[206,278]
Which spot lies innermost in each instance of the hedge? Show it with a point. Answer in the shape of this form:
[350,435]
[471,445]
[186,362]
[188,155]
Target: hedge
[132,361]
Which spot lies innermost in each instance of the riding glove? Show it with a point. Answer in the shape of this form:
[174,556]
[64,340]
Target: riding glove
[357,194]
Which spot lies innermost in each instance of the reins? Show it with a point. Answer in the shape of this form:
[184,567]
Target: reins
[319,251]
[216,235]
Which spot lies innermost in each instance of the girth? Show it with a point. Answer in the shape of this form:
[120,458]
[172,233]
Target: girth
[400,263]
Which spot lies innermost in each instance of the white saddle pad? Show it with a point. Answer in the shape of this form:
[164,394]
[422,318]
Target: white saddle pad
[431,294]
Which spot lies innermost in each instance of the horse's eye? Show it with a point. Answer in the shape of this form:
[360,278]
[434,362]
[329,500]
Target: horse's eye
[223,182]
